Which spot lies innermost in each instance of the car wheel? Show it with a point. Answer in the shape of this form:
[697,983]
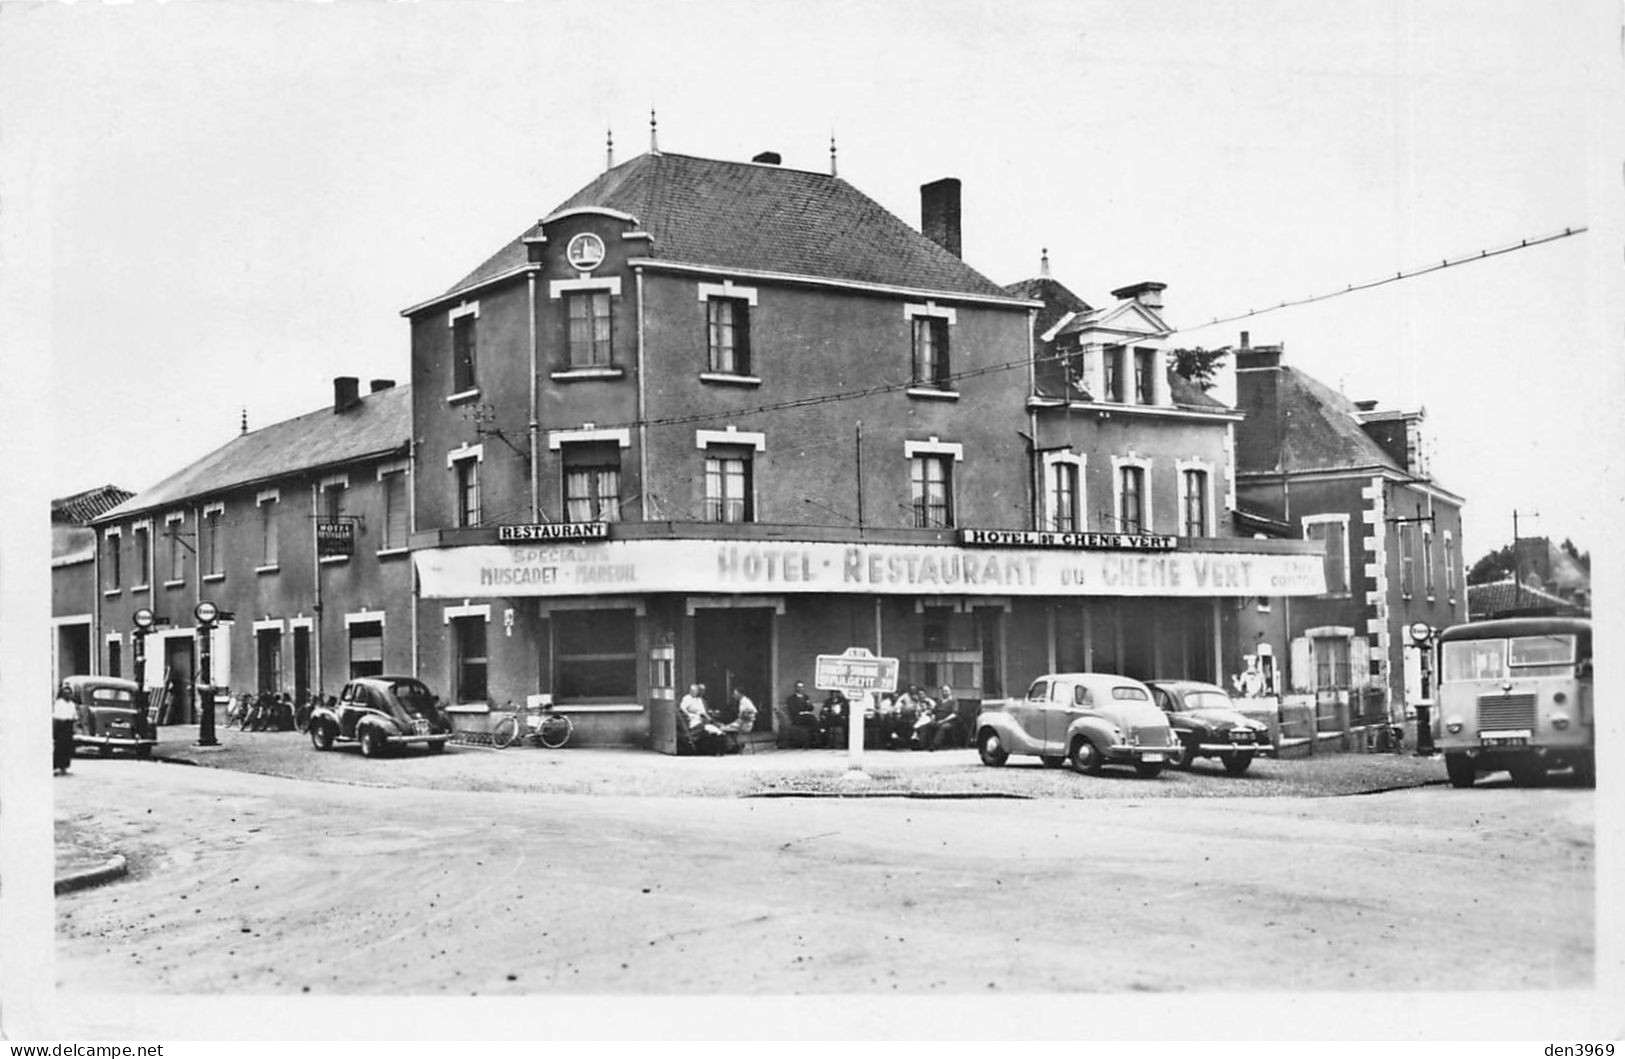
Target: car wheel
[1184,755]
[437,748]
[1086,757]
[992,751]
[1052,761]
[1459,767]
[144,750]
[372,742]
[1148,770]
[321,735]
[1236,764]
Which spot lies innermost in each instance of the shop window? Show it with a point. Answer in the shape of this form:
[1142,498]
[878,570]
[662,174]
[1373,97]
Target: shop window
[727,323]
[931,489]
[367,648]
[931,352]
[592,481]
[589,328]
[469,660]
[396,521]
[594,656]
[935,623]
[1131,500]
[464,350]
[1333,530]
[729,484]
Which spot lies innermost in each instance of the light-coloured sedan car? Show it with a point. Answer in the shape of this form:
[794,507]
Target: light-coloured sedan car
[1090,719]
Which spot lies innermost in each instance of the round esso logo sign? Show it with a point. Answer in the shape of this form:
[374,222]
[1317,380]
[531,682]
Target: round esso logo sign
[585,251]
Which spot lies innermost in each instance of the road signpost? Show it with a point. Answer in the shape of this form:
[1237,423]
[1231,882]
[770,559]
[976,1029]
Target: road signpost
[856,673]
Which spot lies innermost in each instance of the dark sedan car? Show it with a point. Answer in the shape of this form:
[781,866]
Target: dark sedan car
[381,713]
[108,719]
[1208,724]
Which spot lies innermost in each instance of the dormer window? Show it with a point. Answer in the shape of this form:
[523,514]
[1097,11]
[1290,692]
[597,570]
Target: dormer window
[1145,364]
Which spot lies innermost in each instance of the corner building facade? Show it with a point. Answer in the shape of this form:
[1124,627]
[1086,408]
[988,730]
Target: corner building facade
[707,420]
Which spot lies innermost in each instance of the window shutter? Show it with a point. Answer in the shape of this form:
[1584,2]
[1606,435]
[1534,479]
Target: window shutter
[1359,662]
[220,656]
[1303,666]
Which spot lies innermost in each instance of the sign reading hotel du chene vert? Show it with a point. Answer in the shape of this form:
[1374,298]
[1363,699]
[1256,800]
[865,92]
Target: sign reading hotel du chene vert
[632,566]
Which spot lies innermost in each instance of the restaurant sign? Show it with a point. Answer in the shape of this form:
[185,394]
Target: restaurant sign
[554,531]
[637,566]
[1134,542]
[335,539]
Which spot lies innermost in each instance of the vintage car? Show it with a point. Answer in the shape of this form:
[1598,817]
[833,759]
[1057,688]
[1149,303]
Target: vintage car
[108,719]
[380,714]
[1208,724]
[1091,719]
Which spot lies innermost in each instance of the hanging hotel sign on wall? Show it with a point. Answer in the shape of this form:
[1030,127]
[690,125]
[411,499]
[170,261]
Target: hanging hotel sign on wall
[1134,542]
[334,539]
[628,566]
[553,531]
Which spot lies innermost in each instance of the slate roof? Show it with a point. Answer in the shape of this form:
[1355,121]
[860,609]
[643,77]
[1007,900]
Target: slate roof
[1057,298]
[1499,598]
[1319,430]
[758,217]
[80,508]
[380,423]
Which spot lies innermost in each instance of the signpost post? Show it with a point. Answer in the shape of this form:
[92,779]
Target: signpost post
[855,673]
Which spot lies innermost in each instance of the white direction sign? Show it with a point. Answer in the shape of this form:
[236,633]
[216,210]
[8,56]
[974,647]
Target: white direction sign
[855,669]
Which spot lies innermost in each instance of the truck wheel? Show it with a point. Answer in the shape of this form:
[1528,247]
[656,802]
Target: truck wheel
[991,750]
[1086,757]
[1459,767]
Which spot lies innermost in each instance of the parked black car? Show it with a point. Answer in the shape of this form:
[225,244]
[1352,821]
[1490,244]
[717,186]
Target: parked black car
[1208,724]
[381,713]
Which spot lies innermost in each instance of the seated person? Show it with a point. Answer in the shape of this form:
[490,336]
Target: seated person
[945,723]
[802,713]
[704,734]
[832,720]
[905,711]
[925,722]
[744,721]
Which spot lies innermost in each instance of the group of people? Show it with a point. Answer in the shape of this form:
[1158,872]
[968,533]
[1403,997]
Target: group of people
[272,712]
[909,720]
[708,734]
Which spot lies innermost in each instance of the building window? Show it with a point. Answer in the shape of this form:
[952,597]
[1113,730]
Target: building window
[467,471]
[727,322]
[367,648]
[1131,500]
[595,656]
[115,658]
[1407,562]
[1145,363]
[213,561]
[333,499]
[469,659]
[268,649]
[931,351]
[589,328]
[464,340]
[112,574]
[1334,531]
[1194,485]
[268,534]
[1112,380]
[143,554]
[1450,567]
[1427,561]
[729,485]
[1063,497]
[1331,662]
[396,522]
[592,481]
[177,549]
[931,490]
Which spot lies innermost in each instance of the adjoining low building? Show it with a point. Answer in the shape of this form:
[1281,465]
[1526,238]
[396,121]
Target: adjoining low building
[1511,599]
[297,532]
[73,579]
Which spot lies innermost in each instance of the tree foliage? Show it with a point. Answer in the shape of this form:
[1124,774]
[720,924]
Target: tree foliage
[1491,567]
[1198,365]
[1582,559]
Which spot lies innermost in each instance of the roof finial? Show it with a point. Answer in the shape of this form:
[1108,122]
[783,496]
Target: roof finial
[654,140]
[1043,263]
[609,148]
[245,421]
[832,154]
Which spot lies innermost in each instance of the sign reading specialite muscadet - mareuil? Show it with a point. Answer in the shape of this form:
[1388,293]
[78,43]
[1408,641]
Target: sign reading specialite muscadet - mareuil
[553,531]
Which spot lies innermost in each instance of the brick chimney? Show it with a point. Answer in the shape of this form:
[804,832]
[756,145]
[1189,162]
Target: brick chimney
[768,158]
[346,393]
[1148,293]
[1258,380]
[939,213]
[381,384]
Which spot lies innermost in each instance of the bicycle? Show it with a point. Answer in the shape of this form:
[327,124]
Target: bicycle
[538,724]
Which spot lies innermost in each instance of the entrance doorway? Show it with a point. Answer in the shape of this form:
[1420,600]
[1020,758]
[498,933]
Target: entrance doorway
[301,664]
[733,648]
[72,650]
[178,670]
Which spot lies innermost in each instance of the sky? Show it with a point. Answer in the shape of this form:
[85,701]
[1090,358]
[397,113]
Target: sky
[217,207]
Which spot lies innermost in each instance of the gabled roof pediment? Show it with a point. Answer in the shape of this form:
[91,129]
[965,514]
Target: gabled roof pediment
[1126,319]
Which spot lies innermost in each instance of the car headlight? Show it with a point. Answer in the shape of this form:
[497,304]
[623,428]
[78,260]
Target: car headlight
[1453,726]
[1560,721]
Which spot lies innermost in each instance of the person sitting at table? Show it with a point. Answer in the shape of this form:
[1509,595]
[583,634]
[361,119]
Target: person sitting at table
[925,724]
[704,734]
[905,711]
[802,712]
[945,730]
[744,721]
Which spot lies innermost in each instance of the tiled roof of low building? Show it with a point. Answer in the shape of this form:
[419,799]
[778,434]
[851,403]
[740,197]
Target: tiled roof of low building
[1504,598]
[763,218]
[82,507]
[379,423]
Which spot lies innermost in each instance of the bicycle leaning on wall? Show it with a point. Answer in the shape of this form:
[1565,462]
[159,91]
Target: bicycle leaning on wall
[540,725]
